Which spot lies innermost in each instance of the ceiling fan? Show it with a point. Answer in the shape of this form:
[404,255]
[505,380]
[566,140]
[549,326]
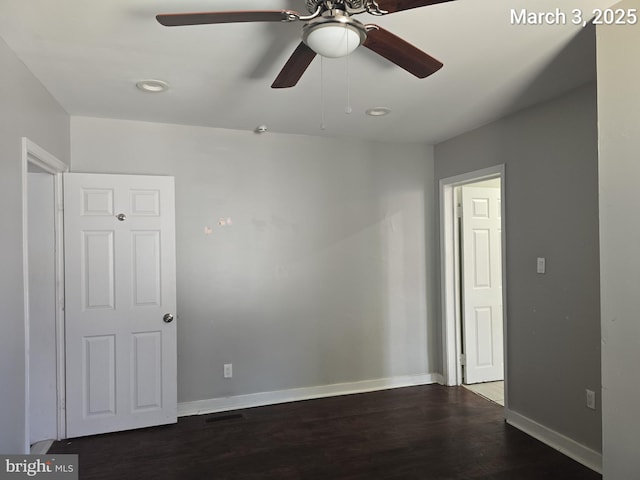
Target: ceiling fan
[330,31]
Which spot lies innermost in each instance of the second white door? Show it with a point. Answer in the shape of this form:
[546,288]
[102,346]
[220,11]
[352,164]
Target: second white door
[120,300]
[482,285]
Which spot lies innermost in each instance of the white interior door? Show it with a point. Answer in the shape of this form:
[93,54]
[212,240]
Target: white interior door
[482,285]
[120,283]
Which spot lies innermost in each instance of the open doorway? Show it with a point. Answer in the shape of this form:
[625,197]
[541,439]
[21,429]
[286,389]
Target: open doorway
[472,239]
[42,305]
[43,295]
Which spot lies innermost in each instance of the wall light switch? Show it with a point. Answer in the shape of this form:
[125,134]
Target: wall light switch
[228,370]
[541,265]
[591,399]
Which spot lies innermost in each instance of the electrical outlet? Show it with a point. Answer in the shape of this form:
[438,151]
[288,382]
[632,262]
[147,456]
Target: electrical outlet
[541,265]
[591,399]
[228,370]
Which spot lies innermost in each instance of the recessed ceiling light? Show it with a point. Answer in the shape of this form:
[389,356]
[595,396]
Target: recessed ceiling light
[378,111]
[152,86]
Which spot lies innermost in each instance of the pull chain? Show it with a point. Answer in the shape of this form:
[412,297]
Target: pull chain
[322,124]
[347,108]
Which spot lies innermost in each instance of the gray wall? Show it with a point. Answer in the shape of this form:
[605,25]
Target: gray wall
[323,276]
[26,109]
[619,133]
[550,154]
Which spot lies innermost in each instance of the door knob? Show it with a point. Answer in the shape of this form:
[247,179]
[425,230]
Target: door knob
[168,318]
[121,216]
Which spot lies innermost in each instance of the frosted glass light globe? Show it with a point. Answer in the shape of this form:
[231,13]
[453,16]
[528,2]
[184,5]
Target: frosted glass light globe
[333,40]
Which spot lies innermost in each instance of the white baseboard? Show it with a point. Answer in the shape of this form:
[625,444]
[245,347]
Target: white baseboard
[212,405]
[586,456]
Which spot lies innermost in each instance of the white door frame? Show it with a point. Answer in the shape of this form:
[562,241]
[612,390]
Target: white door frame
[35,155]
[449,271]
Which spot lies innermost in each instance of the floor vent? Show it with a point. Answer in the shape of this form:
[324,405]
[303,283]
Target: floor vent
[222,418]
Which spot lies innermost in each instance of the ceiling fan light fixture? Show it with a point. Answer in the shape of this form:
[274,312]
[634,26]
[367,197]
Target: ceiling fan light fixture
[335,35]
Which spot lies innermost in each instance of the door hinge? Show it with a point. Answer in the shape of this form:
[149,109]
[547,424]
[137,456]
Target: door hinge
[459,210]
[463,359]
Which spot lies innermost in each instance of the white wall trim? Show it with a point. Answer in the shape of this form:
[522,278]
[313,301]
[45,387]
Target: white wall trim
[212,405]
[580,453]
[36,155]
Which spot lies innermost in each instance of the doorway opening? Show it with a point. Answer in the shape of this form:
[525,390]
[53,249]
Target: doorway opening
[473,282]
[43,296]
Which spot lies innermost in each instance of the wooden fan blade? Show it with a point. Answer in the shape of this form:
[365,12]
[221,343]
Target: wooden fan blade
[399,5]
[205,18]
[400,52]
[297,64]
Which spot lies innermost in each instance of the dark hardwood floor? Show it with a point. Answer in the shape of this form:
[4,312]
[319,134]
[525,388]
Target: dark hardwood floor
[429,432]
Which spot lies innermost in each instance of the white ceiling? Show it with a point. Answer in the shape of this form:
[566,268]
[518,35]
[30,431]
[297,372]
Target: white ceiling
[90,54]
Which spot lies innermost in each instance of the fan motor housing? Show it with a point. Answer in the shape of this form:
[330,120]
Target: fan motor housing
[352,6]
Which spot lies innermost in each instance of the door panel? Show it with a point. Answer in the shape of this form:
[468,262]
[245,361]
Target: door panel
[147,357]
[98,379]
[97,257]
[481,258]
[119,281]
[482,285]
[484,337]
[146,268]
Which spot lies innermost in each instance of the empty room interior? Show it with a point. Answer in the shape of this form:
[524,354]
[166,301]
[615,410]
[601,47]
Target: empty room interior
[186,243]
